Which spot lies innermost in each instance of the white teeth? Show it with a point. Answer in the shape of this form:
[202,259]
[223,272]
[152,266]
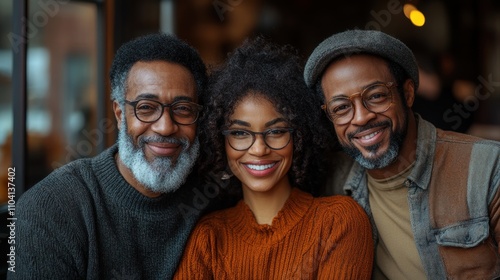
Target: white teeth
[260,167]
[369,136]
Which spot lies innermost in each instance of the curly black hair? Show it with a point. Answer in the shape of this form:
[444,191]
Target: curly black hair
[274,72]
[152,47]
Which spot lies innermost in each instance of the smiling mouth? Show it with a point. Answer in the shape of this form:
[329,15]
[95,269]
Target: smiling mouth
[369,136]
[376,128]
[260,167]
[163,149]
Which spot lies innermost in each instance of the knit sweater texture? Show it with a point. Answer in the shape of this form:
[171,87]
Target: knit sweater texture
[84,221]
[310,238]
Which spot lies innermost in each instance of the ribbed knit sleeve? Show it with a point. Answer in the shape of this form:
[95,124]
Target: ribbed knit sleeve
[348,244]
[310,238]
[51,241]
[198,255]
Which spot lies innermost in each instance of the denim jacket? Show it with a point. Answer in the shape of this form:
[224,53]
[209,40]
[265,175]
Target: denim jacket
[454,201]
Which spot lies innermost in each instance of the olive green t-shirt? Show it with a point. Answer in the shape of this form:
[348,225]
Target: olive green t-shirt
[396,254]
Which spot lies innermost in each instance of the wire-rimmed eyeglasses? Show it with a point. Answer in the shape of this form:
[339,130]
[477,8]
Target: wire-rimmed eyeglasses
[241,139]
[376,98]
[181,112]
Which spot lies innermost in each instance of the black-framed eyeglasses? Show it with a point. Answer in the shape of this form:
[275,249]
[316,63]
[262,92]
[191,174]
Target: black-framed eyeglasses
[181,112]
[274,138]
[376,98]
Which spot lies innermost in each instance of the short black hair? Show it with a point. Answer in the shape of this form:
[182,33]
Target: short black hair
[154,47]
[274,72]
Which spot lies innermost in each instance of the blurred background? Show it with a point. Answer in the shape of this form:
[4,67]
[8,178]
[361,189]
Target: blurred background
[70,46]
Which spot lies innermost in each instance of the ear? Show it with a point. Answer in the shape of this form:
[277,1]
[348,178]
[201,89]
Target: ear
[118,113]
[409,92]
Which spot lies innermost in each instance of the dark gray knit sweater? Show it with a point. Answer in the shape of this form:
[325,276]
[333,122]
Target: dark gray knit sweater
[84,221]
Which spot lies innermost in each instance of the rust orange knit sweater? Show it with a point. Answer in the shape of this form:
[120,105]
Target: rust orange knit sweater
[310,238]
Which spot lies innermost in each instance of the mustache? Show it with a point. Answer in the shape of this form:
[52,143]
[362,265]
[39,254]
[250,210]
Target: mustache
[143,140]
[369,126]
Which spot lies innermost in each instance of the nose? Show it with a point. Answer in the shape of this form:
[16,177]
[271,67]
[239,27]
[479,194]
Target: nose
[361,115]
[165,125]
[259,147]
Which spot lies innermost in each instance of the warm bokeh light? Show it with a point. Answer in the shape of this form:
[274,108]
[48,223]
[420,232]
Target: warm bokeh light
[407,9]
[417,18]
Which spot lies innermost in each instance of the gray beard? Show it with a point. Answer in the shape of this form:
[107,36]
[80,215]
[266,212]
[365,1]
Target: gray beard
[395,142]
[160,175]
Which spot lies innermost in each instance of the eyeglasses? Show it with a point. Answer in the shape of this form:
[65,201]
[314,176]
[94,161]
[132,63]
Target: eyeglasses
[376,98]
[181,112]
[241,140]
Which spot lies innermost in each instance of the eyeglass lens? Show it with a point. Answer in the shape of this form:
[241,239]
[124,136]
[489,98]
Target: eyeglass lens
[376,98]
[181,112]
[275,139]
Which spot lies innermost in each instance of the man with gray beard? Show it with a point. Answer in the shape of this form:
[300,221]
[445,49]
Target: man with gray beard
[119,214]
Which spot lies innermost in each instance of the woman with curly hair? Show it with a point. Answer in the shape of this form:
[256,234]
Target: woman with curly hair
[263,131]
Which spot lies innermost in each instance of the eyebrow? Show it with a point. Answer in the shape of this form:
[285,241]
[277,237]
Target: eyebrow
[153,96]
[342,95]
[267,124]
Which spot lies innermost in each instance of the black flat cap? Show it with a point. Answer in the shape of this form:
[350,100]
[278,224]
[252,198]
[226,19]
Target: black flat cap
[357,42]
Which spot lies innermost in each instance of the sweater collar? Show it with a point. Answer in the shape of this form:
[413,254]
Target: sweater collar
[245,225]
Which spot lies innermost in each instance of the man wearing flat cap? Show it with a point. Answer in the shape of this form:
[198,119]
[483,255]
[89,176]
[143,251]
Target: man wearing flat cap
[432,195]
